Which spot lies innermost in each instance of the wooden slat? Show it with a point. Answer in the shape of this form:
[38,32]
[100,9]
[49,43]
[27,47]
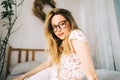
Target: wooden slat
[27,55]
[19,56]
[24,49]
[33,55]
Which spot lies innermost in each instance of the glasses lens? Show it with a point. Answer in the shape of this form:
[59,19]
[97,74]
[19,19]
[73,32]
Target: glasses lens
[61,25]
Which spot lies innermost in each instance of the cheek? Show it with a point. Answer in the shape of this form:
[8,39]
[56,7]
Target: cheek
[67,29]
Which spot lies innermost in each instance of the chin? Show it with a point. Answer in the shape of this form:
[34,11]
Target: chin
[62,38]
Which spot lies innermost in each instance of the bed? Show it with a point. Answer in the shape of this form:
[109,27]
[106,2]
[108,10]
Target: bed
[22,60]
[24,66]
[103,74]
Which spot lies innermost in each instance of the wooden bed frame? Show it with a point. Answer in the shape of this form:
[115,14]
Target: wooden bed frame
[20,52]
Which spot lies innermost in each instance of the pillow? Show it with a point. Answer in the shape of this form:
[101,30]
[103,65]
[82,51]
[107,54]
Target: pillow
[23,67]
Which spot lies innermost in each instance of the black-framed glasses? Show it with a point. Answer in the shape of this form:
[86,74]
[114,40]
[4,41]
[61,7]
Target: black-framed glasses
[61,25]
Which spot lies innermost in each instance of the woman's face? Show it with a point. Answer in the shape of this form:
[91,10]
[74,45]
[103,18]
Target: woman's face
[60,26]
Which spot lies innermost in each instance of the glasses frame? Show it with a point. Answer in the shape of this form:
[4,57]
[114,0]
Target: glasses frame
[61,25]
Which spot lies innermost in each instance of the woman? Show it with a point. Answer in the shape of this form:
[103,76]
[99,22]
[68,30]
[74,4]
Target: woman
[68,48]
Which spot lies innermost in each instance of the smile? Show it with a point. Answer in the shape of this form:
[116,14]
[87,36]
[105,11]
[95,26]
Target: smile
[60,34]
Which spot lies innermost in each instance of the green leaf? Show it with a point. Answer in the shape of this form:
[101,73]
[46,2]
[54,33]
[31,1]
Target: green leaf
[6,14]
[4,4]
[8,4]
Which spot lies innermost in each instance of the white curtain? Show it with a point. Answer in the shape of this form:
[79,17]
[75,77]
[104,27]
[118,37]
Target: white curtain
[98,20]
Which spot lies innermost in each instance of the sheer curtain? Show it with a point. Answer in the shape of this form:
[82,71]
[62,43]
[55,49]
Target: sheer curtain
[98,21]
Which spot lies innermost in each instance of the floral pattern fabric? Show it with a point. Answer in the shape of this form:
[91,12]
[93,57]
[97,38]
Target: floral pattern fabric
[70,65]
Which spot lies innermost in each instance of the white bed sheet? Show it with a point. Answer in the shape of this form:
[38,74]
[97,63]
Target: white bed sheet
[108,75]
[51,73]
[102,74]
[46,74]
[43,75]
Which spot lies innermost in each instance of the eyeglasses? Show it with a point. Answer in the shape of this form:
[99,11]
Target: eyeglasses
[61,25]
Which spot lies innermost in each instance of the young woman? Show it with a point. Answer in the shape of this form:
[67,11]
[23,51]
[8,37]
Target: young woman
[68,48]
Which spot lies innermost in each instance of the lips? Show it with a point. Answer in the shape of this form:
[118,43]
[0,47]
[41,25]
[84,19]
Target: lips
[60,34]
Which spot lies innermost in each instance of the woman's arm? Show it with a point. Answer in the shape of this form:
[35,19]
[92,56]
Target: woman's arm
[35,70]
[83,51]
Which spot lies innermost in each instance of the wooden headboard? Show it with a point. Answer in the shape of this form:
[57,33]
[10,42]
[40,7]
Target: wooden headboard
[20,52]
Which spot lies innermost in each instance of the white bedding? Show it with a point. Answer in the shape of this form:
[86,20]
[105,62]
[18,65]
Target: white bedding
[51,73]
[107,75]
[19,69]
[43,75]
[102,74]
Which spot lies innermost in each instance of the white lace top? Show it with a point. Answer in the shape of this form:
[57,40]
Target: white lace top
[70,65]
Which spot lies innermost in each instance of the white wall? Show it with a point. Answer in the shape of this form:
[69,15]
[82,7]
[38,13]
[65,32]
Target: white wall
[30,34]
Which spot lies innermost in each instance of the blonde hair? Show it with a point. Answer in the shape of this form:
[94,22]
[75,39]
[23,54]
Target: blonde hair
[56,46]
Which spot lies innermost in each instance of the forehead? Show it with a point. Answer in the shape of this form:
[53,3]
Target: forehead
[57,18]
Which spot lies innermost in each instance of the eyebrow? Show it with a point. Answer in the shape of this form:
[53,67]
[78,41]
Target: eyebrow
[58,23]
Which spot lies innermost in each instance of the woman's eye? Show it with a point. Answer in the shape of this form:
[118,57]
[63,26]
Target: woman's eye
[62,23]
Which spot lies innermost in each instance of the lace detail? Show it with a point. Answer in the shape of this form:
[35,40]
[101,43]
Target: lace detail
[77,34]
[70,65]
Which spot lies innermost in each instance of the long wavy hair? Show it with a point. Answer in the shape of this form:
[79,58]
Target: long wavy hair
[56,46]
